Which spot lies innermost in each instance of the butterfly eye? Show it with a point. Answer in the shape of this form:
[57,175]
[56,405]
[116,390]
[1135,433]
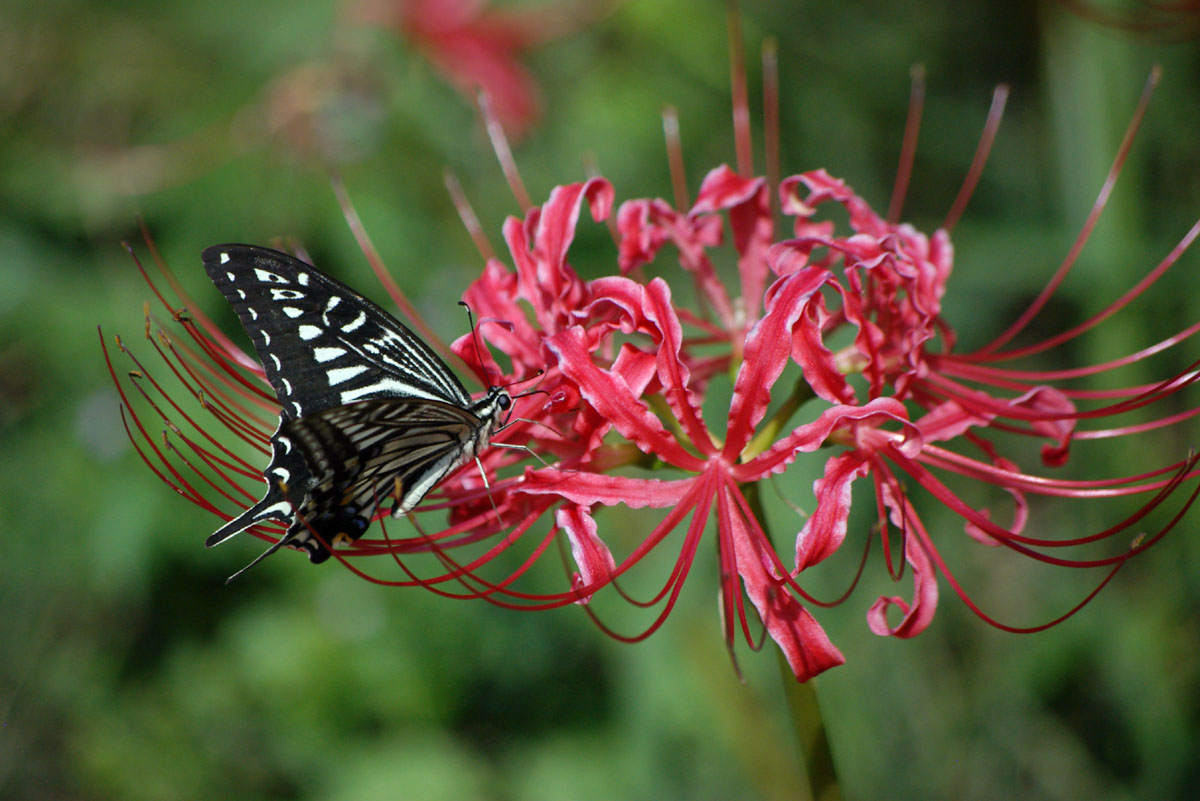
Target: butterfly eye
[504,402]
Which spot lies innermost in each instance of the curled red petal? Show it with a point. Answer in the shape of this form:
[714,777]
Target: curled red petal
[644,227]
[810,436]
[803,641]
[752,223]
[648,309]
[1058,424]
[820,367]
[792,255]
[767,349]
[539,244]
[612,398]
[825,529]
[949,420]
[823,187]
[918,614]
[723,188]
[637,368]
[560,215]
[592,556]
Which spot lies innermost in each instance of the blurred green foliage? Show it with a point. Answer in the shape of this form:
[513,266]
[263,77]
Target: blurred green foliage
[129,670]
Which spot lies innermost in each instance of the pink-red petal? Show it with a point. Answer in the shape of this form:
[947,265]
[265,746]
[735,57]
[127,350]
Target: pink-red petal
[916,615]
[803,641]
[768,346]
[810,436]
[825,530]
[586,489]
[591,555]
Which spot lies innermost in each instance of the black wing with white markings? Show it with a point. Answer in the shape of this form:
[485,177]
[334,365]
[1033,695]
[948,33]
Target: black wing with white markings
[368,411]
[321,343]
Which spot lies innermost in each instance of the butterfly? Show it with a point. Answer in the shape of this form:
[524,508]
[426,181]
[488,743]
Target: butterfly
[368,410]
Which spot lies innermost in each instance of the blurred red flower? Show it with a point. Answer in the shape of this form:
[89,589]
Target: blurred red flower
[478,48]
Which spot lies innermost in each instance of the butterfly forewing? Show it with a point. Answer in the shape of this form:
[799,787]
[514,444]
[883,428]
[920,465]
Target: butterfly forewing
[368,411]
[321,343]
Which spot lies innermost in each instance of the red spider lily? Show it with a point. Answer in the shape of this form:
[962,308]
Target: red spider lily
[887,282]
[626,368]
[477,48]
[882,281]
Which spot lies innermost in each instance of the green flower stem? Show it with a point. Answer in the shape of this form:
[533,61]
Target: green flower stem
[769,431]
[807,723]
[658,404]
[811,736]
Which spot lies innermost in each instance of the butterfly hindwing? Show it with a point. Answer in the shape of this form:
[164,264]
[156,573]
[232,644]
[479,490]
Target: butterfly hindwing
[365,452]
[321,343]
[285,475]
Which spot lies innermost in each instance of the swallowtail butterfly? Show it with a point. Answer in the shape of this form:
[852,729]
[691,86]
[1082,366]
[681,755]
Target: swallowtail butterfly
[368,410]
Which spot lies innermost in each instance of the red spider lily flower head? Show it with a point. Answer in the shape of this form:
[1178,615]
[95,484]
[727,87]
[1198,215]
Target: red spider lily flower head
[624,366]
[915,406]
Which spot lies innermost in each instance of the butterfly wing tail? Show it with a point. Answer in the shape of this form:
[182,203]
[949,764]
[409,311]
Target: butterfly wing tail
[268,508]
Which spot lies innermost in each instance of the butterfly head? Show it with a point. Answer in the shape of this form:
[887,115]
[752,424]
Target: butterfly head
[492,407]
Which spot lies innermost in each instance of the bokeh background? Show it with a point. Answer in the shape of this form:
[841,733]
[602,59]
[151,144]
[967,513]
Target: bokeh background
[129,670]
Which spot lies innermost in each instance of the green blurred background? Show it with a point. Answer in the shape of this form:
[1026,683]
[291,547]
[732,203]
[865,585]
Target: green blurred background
[129,670]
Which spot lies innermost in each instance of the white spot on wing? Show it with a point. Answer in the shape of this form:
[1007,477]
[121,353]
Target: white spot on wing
[275,359]
[225,260]
[356,323]
[281,508]
[241,294]
[308,332]
[286,443]
[327,354]
[330,304]
[268,277]
[283,473]
[287,385]
[266,338]
[286,294]
[388,387]
[339,375]
[253,313]
[303,279]
[292,311]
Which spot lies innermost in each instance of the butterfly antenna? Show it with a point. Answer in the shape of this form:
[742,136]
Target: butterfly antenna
[475,338]
[536,375]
